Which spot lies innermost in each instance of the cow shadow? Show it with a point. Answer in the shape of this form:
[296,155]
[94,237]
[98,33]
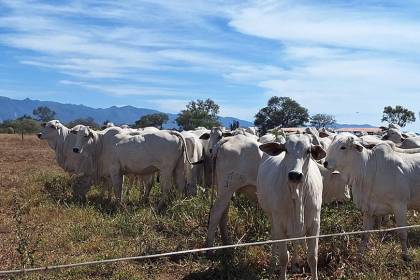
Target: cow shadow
[226,269]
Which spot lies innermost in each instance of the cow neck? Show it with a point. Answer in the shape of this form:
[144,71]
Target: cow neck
[95,149]
[359,179]
[296,221]
[59,147]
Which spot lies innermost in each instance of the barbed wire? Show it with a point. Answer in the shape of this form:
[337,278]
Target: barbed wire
[197,250]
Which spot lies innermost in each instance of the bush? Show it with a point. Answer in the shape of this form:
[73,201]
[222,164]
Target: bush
[10,130]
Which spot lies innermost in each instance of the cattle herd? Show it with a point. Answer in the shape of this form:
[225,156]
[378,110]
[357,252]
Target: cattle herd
[290,175]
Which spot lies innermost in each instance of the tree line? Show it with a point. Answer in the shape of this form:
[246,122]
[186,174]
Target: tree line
[279,112]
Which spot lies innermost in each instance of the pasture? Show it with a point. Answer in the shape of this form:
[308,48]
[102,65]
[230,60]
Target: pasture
[41,224]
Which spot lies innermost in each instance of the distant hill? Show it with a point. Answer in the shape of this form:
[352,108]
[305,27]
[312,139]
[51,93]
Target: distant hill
[12,108]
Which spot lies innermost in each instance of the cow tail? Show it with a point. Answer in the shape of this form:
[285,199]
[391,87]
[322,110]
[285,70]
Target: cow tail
[184,147]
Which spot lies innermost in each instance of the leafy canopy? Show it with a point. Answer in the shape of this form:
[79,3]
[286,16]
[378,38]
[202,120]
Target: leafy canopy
[281,112]
[199,113]
[322,120]
[44,114]
[157,120]
[398,115]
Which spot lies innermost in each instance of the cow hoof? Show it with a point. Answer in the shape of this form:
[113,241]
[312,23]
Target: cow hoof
[210,254]
[406,258]
[144,200]
[295,268]
[161,207]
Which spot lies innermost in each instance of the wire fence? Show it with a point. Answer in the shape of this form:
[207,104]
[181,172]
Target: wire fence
[197,250]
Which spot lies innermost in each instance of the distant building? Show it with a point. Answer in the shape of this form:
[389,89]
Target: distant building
[361,130]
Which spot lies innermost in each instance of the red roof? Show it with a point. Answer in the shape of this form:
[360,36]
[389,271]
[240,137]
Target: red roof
[361,129]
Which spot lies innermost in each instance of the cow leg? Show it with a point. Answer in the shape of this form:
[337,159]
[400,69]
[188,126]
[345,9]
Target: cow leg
[219,208]
[295,257]
[368,223]
[280,253]
[313,250]
[117,182]
[81,187]
[223,225]
[165,186]
[401,220]
[192,186]
[148,184]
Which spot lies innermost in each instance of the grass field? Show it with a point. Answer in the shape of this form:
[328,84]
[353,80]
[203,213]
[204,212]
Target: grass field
[40,224]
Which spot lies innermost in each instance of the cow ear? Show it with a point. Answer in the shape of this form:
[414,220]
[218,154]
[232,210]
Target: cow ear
[317,152]
[272,148]
[205,136]
[368,145]
[359,147]
[404,136]
[227,134]
[323,134]
[90,132]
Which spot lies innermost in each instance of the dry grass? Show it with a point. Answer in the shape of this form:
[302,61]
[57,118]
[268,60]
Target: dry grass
[41,224]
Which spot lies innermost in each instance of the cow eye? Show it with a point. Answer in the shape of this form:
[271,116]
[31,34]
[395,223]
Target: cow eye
[343,148]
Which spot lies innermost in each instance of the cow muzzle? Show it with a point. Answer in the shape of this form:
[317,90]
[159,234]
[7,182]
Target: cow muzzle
[295,176]
[76,150]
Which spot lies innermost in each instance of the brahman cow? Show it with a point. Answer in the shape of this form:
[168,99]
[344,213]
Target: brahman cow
[400,138]
[195,173]
[113,153]
[384,180]
[235,164]
[289,189]
[62,141]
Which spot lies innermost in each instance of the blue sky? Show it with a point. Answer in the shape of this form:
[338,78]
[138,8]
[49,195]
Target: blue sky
[346,58]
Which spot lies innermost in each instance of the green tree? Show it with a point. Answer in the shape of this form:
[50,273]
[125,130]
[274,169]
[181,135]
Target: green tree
[156,120]
[44,114]
[199,113]
[89,121]
[234,125]
[281,111]
[23,125]
[322,120]
[398,115]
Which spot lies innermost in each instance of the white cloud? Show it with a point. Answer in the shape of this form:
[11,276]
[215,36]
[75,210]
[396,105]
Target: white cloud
[170,105]
[123,90]
[331,56]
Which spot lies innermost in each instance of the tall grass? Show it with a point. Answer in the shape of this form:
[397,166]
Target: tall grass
[98,229]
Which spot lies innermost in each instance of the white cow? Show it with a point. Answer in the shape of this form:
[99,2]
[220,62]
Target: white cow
[243,131]
[195,173]
[235,161]
[252,130]
[269,137]
[62,141]
[289,189]
[209,140]
[114,153]
[384,180]
[335,187]
[403,140]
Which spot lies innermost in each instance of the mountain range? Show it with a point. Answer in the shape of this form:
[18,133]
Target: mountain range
[13,108]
